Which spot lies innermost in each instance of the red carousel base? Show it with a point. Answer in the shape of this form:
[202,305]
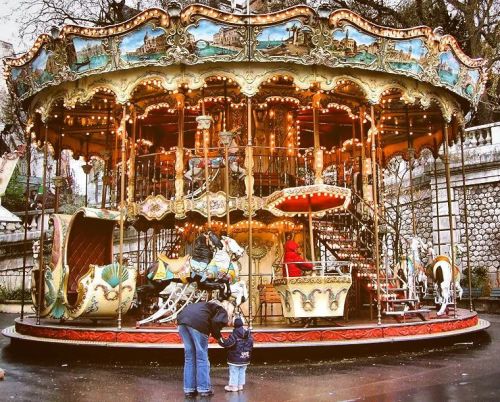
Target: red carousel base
[344,333]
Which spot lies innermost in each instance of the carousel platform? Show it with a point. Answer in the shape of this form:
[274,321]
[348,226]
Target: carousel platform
[275,335]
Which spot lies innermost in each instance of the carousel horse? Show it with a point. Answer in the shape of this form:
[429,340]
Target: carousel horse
[199,268]
[411,270]
[197,167]
[443,277]
[223,268]
[416,245]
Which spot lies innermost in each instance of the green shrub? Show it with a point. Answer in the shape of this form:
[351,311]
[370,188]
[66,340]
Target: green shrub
[14,294]
[479,278]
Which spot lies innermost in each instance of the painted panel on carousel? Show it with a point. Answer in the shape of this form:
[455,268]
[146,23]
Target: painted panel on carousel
[448,69]
[43,68]
[86,54]
[470,82]
[21,79]
[145,44]
[209,39]
[350,45]
[407,56]
[292,39]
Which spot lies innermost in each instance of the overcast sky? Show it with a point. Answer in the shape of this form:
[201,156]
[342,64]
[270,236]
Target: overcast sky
[8,26]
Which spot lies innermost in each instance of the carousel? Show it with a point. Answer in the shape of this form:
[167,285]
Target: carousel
[221,135]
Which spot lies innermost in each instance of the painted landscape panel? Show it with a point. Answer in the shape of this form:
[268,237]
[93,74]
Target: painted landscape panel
[407,55]
[448,68]
[20,77]
[42,68]
[469,86]
[146,43]
[86,54]
[351,45]
[209,39]
[291,39]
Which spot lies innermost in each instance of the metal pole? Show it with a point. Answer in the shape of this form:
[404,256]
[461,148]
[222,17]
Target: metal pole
[311,233]
[26,207]
[437,203]
[58,163]
[450,216]
[42,227]
[466,216]
[122,211]
[411,159]
[250,211]
[375,212]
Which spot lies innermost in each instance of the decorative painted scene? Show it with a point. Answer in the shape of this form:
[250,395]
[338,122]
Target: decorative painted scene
[209,39]
[407,55]
[291,39]
[146,43]
[86,54]
[471,80]
[448,68]
[351,45]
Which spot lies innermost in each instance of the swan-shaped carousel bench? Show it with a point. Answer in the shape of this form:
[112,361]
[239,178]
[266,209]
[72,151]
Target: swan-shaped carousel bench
[82,279]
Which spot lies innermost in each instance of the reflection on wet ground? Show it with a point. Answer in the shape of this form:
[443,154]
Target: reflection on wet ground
[460,369]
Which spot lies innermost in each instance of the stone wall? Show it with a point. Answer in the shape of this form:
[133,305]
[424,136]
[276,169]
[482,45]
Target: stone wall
[484,224]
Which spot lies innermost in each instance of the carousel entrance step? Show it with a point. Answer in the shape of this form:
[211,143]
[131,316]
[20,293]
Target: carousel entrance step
[422,313]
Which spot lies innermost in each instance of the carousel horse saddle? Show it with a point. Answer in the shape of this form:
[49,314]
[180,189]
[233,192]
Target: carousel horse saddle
[175,266]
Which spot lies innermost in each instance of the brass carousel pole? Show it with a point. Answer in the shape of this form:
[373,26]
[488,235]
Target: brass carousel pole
[122,209]
[42,226]
[466,215]
[411,160]
[450,215]
[179,161]
[249,188]
[57,181]
[437,197]
[226,138]
[26,207]
[206,139]
[375,211]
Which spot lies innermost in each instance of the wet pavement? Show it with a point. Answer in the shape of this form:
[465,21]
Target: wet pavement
[463,368]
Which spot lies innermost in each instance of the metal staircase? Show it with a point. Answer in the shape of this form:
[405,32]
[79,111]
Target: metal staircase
[348,236]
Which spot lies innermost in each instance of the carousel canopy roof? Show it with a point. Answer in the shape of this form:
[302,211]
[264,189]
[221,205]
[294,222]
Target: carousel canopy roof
[199,34]
[315,199]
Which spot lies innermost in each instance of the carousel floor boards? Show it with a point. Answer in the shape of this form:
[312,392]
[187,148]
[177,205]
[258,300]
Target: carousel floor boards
[266,336]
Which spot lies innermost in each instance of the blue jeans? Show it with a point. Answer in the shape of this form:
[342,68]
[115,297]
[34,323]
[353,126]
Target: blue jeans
[237,375]
[196,364]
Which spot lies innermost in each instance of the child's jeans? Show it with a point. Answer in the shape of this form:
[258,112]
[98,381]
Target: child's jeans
[237,375]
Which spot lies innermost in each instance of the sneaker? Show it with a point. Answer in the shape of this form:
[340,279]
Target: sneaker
[206,393]
[190,394]
[231,388]
[240,388]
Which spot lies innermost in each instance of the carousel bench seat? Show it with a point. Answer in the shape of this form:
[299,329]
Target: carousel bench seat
[267,296]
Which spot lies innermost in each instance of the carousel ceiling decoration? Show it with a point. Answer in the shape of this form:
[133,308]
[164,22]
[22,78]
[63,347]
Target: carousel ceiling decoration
[200,34]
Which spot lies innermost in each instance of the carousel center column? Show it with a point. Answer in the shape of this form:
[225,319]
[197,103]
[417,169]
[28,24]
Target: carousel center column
[318,152]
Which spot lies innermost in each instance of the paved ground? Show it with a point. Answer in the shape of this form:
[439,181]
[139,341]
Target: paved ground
[464,369]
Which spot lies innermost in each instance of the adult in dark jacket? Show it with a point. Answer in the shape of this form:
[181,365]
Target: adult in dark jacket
[196,322]
[293,261]
[239,345]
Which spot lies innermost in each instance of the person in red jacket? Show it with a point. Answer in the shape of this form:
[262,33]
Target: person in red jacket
[293,260]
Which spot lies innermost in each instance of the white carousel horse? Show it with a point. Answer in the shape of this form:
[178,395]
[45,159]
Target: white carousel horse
[416,245]
[197,167]
[223,267]
[443,277]
[412,271]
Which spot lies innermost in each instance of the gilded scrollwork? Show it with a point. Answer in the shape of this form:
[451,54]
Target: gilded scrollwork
[345,39]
